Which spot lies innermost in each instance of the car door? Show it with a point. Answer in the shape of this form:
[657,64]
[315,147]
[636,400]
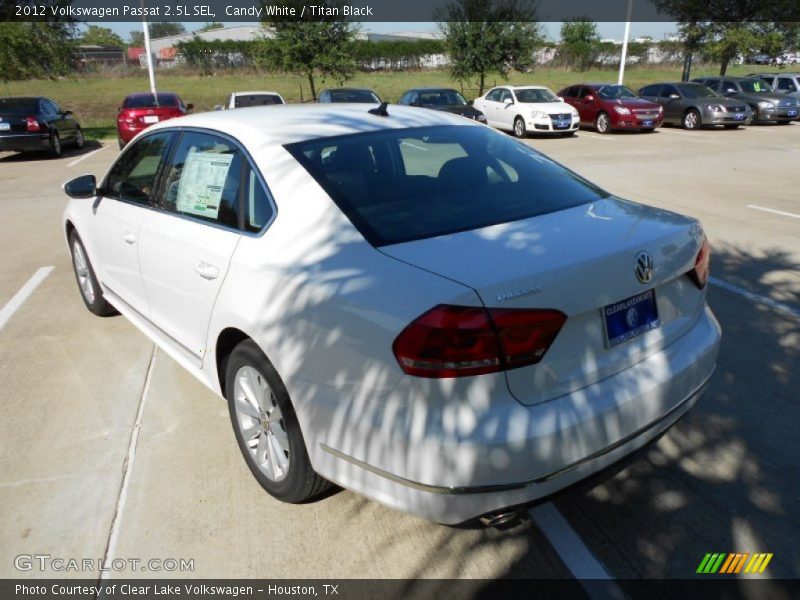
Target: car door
[673,106]
[570,96]
[48,111]
[587,104]
[187,242]
[490,106]
[123,201]
[64,122]
[507,110]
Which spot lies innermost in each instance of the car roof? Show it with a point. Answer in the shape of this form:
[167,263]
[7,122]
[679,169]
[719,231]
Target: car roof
[432,89]
[141,94]
[260,92]
[525,87]
[348,89]
[288,123]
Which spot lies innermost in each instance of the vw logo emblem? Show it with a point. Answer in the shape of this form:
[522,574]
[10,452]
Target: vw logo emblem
[644,267]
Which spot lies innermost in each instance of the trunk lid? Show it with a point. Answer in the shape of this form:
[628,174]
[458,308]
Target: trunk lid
[578,261]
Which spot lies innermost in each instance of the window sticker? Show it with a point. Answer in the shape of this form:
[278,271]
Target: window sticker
[757,86]
[202,182]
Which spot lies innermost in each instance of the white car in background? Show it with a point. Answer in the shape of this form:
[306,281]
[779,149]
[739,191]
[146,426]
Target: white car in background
[400,301]
[248,99]
[528,109]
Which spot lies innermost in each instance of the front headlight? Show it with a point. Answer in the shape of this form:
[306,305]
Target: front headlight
[481,118]
[660,109]
[764,104]
[716,108]
[575,114]
[621,110]
[539,114]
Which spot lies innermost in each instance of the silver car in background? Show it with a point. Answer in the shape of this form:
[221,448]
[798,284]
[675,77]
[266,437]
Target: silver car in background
[693,105]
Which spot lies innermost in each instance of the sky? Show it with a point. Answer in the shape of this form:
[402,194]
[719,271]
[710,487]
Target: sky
[606,30]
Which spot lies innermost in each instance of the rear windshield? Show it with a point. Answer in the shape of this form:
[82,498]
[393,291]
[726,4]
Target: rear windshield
[407,184]
[18,106]
[364,96]
[246,100]
[149,101]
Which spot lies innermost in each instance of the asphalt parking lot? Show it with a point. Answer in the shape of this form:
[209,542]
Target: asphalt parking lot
[76,388]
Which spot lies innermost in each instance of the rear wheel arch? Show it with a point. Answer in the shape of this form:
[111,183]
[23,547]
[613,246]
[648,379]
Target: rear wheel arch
[227,340]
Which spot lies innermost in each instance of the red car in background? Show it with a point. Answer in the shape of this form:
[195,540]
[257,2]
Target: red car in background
[140,110]
[606,106]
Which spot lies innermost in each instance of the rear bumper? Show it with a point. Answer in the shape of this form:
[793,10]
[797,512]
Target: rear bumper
[24,142]
[510,454]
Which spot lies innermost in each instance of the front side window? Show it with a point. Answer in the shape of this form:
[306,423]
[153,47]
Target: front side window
[754,86]
[399,185]
[697,91]
[651,90]
[786,84]
[133,177]
[494,95]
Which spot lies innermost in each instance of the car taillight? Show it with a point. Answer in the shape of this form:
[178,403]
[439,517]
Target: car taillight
[31,124]
[702,265]
[458,341]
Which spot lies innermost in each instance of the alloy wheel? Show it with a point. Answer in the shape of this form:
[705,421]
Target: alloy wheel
[261,423]
[603,123]
[82,271]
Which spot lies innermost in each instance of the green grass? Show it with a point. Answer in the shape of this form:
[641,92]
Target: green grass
[95,98]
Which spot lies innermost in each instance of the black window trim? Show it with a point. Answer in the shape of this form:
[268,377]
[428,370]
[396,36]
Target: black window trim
[178,133]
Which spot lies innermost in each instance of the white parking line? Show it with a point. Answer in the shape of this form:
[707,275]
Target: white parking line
[19,298]
[735,289]
[572,551]
[772,210]
[113,536]
[597,136]
[85,156]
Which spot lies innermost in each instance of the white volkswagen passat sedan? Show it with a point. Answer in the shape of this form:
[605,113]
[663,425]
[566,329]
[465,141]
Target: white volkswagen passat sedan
[526,109]
[406,303]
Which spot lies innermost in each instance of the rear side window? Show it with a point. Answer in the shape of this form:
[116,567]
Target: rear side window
[407,184]
[209,178]
[651,90]
[133,177]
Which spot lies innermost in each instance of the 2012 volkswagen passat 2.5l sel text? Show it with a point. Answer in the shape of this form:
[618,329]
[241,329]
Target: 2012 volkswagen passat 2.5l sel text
[403,302]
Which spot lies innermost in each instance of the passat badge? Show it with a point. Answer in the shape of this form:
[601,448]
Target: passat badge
[643,267]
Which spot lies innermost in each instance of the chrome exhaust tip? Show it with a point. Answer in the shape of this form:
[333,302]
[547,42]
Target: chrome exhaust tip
[499,519]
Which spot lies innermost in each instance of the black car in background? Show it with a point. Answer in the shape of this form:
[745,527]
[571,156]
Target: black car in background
[693,105]
[767,105]
[29,124]
[358,95]
[445,99]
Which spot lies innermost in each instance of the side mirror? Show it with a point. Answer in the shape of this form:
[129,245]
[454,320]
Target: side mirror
[508,101]
[561,99]
[589,98]
[218,107]
[190,107]
[730,92]
[67,113]
[470,102]
[415,103]
[84,186]
[674,96]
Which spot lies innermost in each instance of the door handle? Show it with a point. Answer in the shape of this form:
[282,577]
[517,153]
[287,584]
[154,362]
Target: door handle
[129,237]
[206,270]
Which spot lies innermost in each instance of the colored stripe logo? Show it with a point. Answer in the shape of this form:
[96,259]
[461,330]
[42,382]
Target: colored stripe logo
[733,563]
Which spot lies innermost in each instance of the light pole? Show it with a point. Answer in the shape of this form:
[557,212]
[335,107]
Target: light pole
[147,51]
[625,43]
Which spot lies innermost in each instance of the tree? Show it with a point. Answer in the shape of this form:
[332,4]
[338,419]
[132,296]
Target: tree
[159,30]
[751,25]
[136,38]
[320,46]
[210,26]
[101,36]
[579,43]
[40,49]
[485,36]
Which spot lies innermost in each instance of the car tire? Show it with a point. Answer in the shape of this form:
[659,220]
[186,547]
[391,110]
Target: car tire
[691,119]
[89,287]
[783,122]
[752,119]
[266,426]
[602,122]
[80,139]
[55,145]
[519,128]
[732,126]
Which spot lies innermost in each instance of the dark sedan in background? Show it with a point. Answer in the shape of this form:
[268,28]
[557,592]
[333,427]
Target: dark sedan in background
[35,124]
[767,105]
[693,105]
[607,106]
[444,99]
[357,95]
[140,110]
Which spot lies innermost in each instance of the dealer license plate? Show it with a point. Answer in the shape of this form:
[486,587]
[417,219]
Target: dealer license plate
[631,317]
[5,126]
[150,119]
[647,123]
[792,113]
[562,124]
[739,117]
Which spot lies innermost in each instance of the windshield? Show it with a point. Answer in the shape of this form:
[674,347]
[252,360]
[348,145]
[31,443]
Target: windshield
[441,98]
[18,106]
[245,100]
[399,185]
[615,92]
[362,96]
[754,86]
[527,96]
[149,101]
[697,91]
